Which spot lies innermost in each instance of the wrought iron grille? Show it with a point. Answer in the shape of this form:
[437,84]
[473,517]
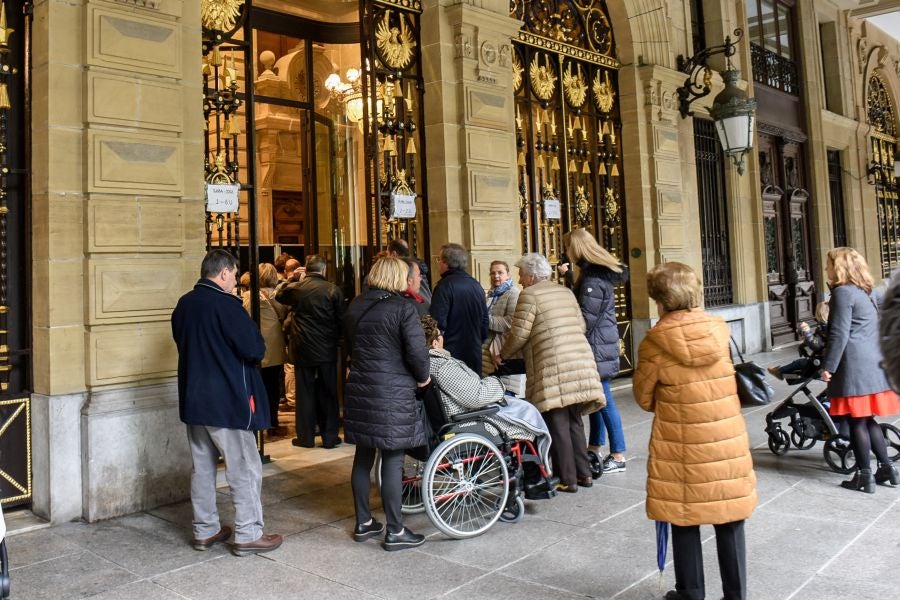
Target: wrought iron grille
[880,113]
[836,192]
[714,243]
[774,70]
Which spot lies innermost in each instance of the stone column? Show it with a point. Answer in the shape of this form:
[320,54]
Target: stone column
[469,110]
[118,221]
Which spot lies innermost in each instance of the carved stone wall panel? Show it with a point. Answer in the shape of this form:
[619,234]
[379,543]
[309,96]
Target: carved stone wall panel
[489,108]
[124,290]
[665,141]
[134,102]
[492,189]
[126,225]
[487,147]
[491,232]
[669,203]
[667,171]
[172,8]
[132,42]
[133,352]
[124,162]
[671,235]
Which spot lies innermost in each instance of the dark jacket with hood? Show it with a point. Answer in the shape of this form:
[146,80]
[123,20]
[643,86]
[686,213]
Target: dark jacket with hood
[219,349]
[595,290]
[316,319]
[459,308]
[388,356]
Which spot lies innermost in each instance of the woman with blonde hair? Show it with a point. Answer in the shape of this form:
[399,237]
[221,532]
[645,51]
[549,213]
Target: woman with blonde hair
[388,359]
[857,385]
[599,274]
[699,469]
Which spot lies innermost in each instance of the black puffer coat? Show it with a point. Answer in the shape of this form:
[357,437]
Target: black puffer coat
[388,356]
[317,312]
[595,290]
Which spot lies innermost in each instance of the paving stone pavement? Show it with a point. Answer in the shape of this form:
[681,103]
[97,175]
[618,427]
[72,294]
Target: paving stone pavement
[808,539]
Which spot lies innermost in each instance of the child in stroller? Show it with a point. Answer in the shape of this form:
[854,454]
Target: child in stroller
[813,339]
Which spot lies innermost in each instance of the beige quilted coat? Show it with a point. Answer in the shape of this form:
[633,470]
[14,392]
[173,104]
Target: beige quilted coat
[699,470]
[559,364]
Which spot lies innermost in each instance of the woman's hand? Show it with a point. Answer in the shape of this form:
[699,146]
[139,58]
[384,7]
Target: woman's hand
[424,383]
[826,376]
[563,268]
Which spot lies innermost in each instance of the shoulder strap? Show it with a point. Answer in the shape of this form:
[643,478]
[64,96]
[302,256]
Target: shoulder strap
[368,308]
[741,356]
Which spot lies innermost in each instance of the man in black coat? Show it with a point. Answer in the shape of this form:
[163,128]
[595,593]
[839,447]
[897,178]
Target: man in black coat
[316,321]
[458,305]
[222,400]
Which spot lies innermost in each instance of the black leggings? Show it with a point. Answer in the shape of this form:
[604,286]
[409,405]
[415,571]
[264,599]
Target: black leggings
[866,436]
[391,485]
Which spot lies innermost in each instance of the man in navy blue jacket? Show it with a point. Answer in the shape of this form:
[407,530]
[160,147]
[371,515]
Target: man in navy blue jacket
[222,400]
[459,306]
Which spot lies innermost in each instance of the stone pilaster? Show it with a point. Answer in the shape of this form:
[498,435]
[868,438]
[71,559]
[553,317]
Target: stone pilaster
[471,154]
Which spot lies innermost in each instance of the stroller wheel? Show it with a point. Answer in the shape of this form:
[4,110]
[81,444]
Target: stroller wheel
[779,442]
[596,464]
[892,440]
[839,456]
[801,441]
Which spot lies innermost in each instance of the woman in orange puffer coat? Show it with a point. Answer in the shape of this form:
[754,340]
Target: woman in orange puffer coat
[699,471]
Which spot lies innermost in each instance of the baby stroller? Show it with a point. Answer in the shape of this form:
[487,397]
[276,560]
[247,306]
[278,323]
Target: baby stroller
[472,475]
[810,422]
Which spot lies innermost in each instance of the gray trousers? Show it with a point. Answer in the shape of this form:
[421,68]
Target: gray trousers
[243,471]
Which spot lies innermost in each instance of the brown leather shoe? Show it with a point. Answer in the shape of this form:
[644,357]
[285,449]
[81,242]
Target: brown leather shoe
[265,543]
[203,545]
[585,482]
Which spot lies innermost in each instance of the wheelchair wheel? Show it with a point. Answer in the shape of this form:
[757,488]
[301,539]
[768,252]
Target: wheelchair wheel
[801,441]
[779,442]
[514,513]
[840,458]
[465,485]
[412,484]
[892,440]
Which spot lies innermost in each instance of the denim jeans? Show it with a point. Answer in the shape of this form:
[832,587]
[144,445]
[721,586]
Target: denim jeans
[607,419]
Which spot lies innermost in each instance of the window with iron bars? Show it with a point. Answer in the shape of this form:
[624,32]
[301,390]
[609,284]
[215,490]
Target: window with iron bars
[714,242]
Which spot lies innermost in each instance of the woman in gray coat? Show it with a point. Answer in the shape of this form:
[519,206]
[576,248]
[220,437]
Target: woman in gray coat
[856,383]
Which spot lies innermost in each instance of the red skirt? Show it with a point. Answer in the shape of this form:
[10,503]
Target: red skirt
[881,404]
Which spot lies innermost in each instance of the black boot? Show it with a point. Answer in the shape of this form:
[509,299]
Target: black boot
[862,481]
[887,473]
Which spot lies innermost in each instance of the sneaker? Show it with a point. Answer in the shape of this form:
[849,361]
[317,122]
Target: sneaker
[776,373]
[265,543]
[362,533]
[208,543]
[611,465]
[403,540]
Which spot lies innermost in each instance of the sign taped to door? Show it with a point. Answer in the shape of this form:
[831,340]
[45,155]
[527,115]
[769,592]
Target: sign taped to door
[403,206]
[222,197]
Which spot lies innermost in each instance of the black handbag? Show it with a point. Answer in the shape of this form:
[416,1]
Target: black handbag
[753,390]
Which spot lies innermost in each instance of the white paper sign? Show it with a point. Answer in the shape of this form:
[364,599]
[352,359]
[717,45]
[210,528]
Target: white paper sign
[552,209]
[403,206]
[222,198]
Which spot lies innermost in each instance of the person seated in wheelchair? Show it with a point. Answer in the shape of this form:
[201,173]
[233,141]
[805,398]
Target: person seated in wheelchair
[811,349]
[462,390]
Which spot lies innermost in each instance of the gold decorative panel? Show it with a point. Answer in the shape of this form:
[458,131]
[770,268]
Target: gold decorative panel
[128,41]
[125,225]
[15,447]
[123,290]
[134,102]
[134,352]
[135,162]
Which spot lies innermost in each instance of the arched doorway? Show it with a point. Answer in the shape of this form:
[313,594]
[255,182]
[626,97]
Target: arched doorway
[568,132]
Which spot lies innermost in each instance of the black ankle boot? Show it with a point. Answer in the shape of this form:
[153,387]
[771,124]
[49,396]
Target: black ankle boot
[862,481]
[887,473]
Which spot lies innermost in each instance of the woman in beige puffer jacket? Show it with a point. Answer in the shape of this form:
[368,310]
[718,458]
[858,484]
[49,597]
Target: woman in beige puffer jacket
[699,469]
[561,376]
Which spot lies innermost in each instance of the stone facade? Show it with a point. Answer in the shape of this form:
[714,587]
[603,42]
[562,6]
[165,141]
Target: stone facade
[118,221]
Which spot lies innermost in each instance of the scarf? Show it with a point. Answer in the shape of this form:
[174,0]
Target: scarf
[499,291]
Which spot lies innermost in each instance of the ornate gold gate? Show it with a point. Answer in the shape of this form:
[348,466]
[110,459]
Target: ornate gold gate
[15,326]
[568,133]
[884,143]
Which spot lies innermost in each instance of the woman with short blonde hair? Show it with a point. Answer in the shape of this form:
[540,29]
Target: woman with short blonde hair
[389,274]
[675,286]
[850,267]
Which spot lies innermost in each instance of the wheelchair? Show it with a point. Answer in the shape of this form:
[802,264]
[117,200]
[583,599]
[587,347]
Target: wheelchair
[472,475]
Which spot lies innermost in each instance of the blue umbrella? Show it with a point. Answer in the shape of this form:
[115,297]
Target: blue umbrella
[662,546]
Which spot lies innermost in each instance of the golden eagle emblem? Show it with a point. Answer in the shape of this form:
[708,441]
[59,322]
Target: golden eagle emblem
[517,71]
[603,92]
[395,44]
[220,14]
[543,79]
[574,86]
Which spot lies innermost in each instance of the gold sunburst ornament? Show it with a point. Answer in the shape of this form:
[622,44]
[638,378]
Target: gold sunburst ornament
[396,44]
[574,86]
[517,71]
[220,15]
[603,92]
[543,80]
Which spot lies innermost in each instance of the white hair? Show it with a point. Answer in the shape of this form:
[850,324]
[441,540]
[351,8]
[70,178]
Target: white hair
[536,265]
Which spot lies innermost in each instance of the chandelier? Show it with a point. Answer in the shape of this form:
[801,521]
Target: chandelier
[348,91]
